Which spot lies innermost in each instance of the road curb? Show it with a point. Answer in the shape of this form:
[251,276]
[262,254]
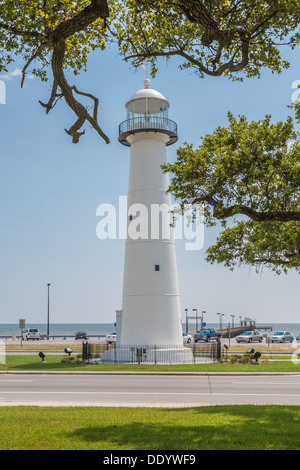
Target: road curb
[136,373]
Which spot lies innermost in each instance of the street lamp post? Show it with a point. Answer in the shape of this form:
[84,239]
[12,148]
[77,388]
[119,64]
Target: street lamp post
[220,320]
[196,310]
[48,311]
[203,311]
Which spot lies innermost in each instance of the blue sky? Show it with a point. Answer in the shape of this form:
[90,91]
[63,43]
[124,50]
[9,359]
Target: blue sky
[50,190]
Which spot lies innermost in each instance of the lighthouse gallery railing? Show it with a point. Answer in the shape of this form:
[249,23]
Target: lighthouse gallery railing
[146,123]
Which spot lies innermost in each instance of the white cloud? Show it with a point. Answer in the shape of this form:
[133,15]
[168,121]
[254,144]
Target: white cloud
[15,73]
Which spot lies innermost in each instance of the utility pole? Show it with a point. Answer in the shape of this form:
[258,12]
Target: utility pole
[186,321]
[48,315]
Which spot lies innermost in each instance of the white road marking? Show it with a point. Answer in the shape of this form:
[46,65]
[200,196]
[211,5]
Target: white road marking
[14,380]
[266,383]
[151,393]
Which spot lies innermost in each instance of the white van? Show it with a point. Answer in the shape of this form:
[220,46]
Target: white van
[30,333]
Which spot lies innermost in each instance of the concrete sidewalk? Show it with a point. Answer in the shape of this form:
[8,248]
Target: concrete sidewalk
[158,373]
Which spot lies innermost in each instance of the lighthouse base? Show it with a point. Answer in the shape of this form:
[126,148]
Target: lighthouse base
[149,354]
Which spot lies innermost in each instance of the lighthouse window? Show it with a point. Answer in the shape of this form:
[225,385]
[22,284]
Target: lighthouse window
[130,217]
[157,267]
[145,109]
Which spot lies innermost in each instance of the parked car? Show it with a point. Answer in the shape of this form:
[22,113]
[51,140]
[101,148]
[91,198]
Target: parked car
[282,337]
[206,334]
[112,338]
[30,333]
[80,334]
[187,339]
[298,338]
[249,337]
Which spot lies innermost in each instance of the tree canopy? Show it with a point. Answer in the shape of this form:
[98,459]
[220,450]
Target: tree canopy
[213,37]
[247,170]
[247,175]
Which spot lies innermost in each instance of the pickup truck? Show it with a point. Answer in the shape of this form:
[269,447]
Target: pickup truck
[206,334]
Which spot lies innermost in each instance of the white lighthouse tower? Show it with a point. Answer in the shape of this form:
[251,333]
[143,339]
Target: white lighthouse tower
[149,323]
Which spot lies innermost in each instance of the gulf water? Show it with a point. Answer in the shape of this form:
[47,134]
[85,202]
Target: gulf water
[100,329]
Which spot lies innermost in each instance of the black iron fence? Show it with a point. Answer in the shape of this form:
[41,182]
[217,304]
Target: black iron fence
[152,354]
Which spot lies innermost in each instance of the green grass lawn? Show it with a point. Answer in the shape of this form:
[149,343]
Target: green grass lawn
[195,428]
[53,363]
[87,428]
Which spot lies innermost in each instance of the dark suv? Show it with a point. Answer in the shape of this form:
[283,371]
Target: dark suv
[80,334]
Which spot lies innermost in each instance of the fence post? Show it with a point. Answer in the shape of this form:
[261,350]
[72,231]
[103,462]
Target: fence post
[83,351]
[218,349]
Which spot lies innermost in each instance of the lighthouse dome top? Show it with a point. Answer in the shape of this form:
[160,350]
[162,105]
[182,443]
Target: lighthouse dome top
[147,92]
[147,112]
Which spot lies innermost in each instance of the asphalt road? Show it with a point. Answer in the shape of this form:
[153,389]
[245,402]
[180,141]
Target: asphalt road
[148,390]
